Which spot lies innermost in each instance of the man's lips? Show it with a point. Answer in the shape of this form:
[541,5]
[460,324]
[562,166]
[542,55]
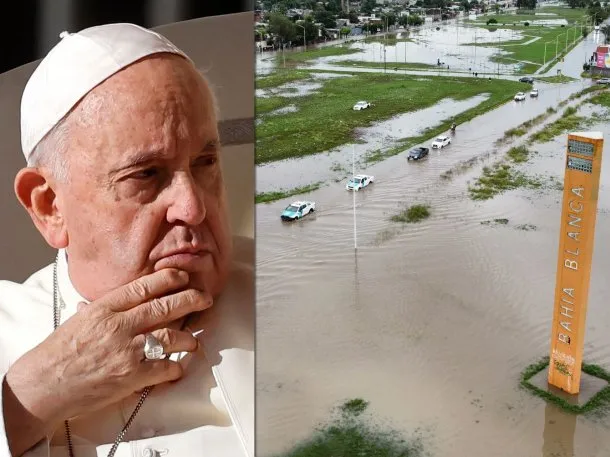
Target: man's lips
[188,259]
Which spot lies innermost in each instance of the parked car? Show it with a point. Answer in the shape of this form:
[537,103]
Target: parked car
[603,81]
[418,153]
[534,93]
[441,142]
[527,79]
[297,210]
[519,97]
[361,105]
[359,181]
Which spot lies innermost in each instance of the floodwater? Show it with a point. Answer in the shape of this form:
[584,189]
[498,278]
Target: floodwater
[451,44]
[431,323]
[290,173]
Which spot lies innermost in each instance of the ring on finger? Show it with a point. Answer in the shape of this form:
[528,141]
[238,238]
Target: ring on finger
[153,349]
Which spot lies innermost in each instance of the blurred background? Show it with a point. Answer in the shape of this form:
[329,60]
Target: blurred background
[39,22]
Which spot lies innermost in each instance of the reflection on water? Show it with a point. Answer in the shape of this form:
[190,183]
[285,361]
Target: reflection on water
[559,431]
[434,323]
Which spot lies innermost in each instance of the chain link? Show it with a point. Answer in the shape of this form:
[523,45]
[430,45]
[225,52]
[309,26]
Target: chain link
[145,392]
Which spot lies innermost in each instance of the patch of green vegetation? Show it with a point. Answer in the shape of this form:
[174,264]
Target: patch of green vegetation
[391,65]
[300,57]
[568,121]
[599,403]
[500,178]
[526,227]
[354,407]
[267,104]
[280,77]
[268,197]
[325,119]
[518,154]
[523,128]
[501,221]
[558,79]
[415,213]
[601,99]
[350,435]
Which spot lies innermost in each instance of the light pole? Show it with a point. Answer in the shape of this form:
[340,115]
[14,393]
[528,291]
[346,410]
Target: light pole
[557,45]
[304,38]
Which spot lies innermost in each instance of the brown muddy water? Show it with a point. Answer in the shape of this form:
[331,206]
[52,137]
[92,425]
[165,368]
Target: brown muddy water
[432,323]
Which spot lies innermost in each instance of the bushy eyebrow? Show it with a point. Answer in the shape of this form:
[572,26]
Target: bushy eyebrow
[145,157]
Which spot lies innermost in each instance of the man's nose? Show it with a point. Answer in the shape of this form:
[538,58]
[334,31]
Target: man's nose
[187,204]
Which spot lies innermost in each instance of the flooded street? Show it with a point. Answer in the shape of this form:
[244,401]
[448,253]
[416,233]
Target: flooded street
[432,322]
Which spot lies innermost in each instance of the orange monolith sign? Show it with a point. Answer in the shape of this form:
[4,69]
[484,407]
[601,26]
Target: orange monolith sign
[580,190]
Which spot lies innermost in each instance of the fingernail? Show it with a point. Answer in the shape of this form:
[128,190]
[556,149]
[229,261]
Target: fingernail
[183,274]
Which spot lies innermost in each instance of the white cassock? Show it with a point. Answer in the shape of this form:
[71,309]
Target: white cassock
[209,412]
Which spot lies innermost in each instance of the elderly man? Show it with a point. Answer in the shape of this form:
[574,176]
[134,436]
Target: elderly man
[138,339]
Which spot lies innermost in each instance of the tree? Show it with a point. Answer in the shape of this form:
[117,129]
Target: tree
[465,5]
[414,20]
[368,6]
[526,4]
[326,18]
[390,18]
[282,27]
[605,29]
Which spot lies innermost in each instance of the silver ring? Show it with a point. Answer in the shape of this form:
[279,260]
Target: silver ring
[153,349]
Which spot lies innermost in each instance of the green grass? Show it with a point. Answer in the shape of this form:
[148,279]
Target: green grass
[598,403]
[300,57]
[267,104]
[350,434]
[558,79]
[268,197]
[568,121]
[280,77]
[534,52]
[415,213]
[601,99]
[325,120]
[518,154]
[392,65]
[571,15]
[500,178]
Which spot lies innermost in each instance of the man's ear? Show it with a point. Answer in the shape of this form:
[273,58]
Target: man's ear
[37,196]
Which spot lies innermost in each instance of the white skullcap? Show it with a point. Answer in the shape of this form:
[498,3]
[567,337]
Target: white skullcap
[76,65]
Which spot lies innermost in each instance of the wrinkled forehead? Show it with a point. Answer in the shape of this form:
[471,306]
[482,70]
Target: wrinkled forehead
[160,103]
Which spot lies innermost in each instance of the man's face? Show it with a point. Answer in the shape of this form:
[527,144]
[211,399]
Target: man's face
[145,189]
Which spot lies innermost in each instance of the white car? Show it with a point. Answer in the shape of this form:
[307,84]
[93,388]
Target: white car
[534,93]
[519,97]
[361,105]
[441,142]
[296,210]
[359,181]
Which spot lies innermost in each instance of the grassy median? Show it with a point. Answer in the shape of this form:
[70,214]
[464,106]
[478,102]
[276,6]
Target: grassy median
[325,120]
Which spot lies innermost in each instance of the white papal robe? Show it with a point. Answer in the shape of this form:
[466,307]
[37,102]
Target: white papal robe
[209,412]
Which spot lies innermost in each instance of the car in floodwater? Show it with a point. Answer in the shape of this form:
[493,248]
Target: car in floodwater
[534,93]
[603,81]
[520,96]
[359,182]
[527,79]
[441,141]
[418,153]
[297,210]
[361,105]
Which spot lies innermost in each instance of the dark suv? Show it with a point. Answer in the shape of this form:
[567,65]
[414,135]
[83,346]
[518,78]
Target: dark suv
[418,153]
[527,79]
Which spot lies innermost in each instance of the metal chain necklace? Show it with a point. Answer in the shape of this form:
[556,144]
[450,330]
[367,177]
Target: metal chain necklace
[145,392]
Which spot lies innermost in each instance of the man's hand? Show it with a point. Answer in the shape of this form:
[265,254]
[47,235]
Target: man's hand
[96,357]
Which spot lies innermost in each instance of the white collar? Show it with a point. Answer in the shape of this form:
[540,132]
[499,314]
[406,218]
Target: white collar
[67,292]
